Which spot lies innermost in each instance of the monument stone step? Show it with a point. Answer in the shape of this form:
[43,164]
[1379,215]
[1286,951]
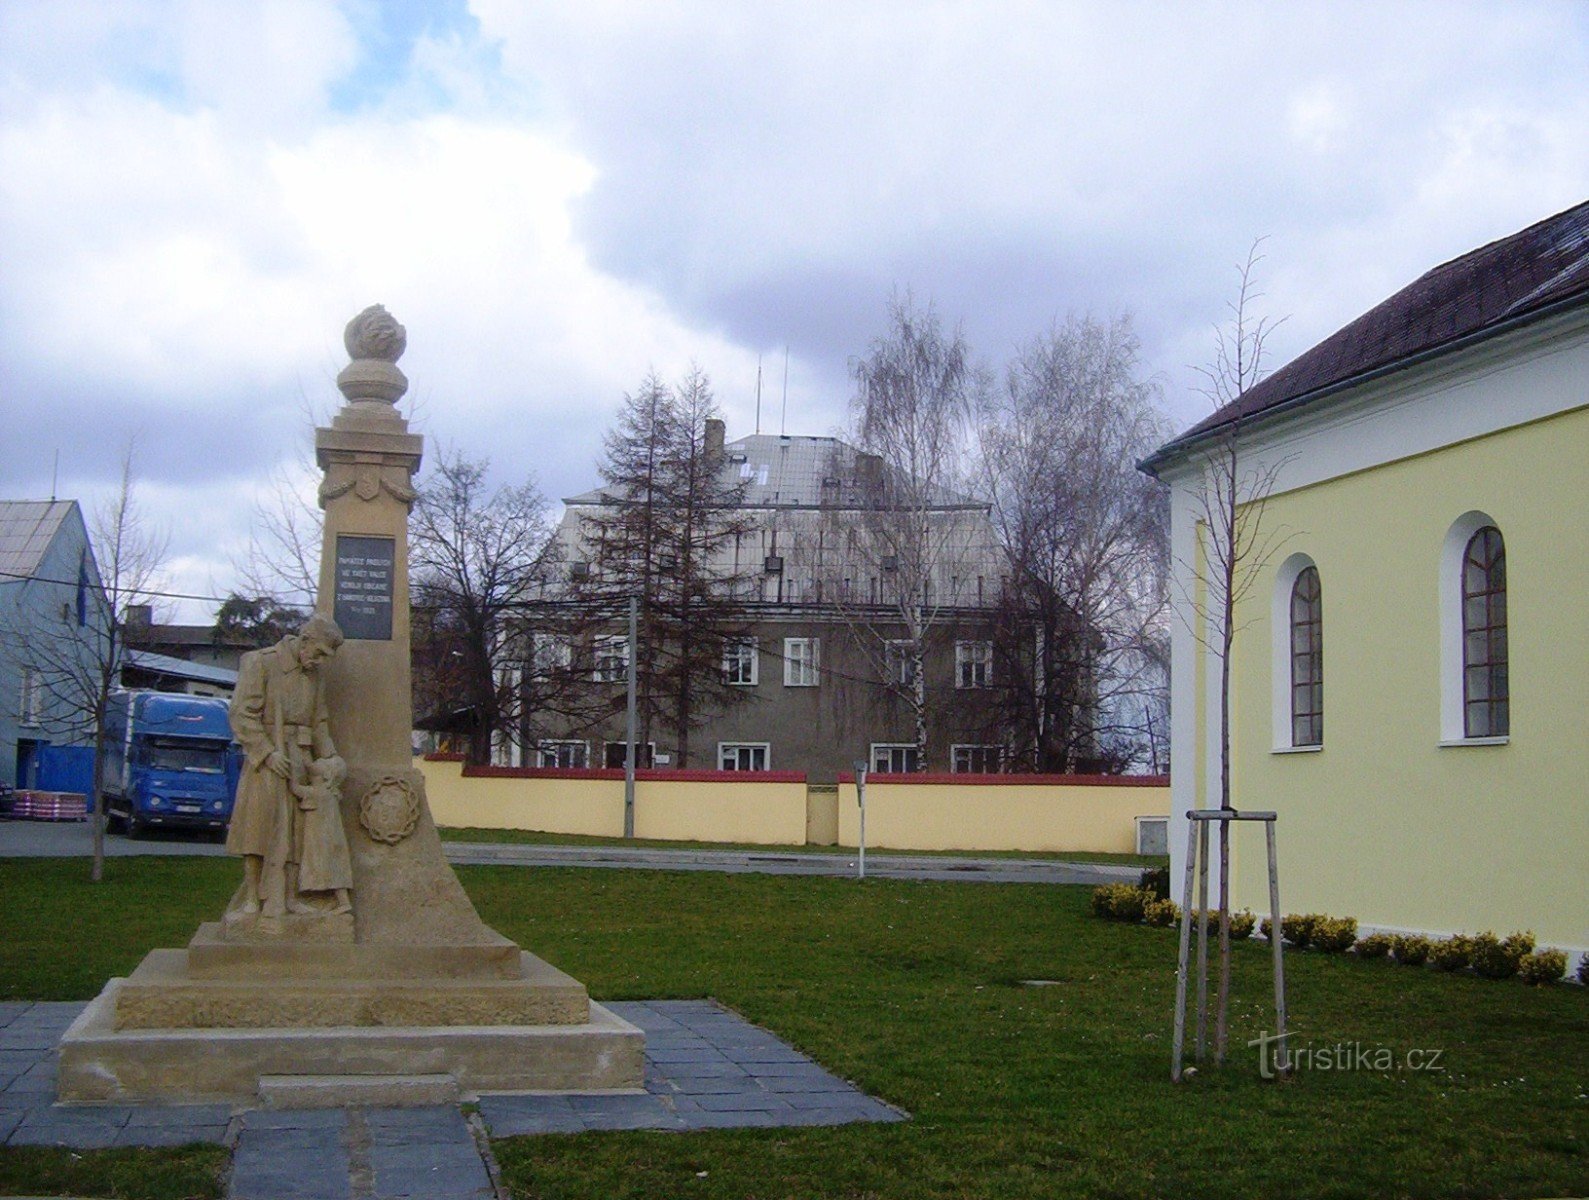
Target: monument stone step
[212,956]
[162,993]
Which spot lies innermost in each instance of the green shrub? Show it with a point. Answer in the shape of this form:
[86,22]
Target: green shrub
[1495,958]
[1161,913]
[1583,970]
[1333,935]
[1452,953]
[1411,949]
[1120,901]
[1297,928]
[1545,966]
[1157,881]
[1241,924]
[1375,945]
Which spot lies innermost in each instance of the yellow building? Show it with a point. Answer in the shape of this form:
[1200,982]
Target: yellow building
[1410,679]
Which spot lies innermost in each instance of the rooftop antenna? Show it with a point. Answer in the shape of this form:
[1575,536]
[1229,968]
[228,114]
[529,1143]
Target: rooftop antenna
[783,418]
[758,393]
[55,474]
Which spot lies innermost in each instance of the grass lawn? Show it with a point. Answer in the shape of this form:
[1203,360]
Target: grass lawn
[913,991]
[531,837]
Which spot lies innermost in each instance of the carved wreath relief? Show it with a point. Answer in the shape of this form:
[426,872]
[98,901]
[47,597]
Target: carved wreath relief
[390,810]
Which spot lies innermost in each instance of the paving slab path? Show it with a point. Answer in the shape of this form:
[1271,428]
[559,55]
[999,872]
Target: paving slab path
[706,1067]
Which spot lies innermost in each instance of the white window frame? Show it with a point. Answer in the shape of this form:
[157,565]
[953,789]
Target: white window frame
[888,751]
[611,649]
[556,746]
[1452,729]
[802,662]
[550,652]
[735,660]
[899,662]
[1282,733]
[969,655]
[970,747]
[724,749]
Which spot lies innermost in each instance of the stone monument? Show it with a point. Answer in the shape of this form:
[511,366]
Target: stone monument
[350,964]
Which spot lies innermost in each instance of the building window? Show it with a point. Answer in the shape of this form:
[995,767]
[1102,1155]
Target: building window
[895,758]
[899,663]
[565,755]
[614,753]
[550,653]
[1485,690]
[30,708]
[741,663]
[1307,659]
[612,659]
[742,756]
[973,664]
[976,760]
[800,661]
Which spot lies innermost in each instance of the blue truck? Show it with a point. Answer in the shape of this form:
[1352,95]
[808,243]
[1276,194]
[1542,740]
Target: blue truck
[170,762]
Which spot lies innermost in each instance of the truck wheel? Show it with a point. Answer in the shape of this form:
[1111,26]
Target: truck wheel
[135,827]
[115,822]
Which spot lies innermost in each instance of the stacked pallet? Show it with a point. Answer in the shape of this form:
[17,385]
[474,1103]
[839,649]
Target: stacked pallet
[50,806]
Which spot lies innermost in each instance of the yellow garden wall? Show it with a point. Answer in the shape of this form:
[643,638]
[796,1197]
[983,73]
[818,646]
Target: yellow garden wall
[1384,823]
[692,806]
[1051,813]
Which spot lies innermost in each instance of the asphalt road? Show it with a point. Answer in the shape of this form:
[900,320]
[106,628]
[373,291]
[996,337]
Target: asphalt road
[64,839]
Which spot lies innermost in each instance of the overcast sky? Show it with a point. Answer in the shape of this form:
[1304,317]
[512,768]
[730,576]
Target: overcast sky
[555,198]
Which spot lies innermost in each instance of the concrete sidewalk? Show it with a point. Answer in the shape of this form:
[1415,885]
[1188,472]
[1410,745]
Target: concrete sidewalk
[705,1068]
[53,839]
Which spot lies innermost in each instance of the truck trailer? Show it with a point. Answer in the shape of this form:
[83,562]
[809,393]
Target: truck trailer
[170,762]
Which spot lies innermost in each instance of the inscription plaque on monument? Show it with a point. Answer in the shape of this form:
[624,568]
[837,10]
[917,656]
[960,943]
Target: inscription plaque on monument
[364,586]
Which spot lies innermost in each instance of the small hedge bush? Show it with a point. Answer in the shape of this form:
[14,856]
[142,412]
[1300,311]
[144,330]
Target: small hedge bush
[1411,949]
[1375,945]
[1157,881]
[1497,958]
[1161,913]
[1583,970]
[1120,901]
[1452,953]
[1543,967]
[1297,928]
[1241,925]
[1333,935]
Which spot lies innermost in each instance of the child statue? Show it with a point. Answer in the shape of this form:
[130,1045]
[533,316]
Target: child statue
[323,861]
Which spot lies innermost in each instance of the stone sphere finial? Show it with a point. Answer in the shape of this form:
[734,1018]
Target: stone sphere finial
[375,342]
[375,333]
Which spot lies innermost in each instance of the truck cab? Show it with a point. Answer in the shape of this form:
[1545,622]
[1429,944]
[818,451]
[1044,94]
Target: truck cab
[170,762]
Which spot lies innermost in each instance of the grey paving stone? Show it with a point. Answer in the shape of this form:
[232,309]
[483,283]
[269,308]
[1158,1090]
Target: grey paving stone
[686,1054]
[757,1101]
[79,1128]
[624,1112]
[439,1183]
[768,1054]
[512,1116]
[261,1119]
[704,1070]
[170,1135]
[846,1098]
[10,1118]
[10,1010]
[178,1114]
[825,1116]
[731,1120]
[32,1037]
[290,1164]
[710,1085]
[822,1082]
[430,1123]
[15,1062]
[34,1087]
[789,1070]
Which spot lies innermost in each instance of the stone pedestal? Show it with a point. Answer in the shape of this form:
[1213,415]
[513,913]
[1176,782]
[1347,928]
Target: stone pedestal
[410,989]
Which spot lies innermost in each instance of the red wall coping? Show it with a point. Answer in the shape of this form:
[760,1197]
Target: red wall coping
[1011,779]
[653,775]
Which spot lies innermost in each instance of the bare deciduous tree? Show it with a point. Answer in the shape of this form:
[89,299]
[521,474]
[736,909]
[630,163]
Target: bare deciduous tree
[1081,660]
[477,558]
[1234,545]
[911,540]
[75,654]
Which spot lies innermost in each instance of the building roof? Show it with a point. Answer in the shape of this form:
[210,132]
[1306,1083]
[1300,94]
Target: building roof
[27,527]
[180,668]
[1520,278]
[781,471]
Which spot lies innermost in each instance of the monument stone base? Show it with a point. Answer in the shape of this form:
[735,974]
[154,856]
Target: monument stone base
[389,1065]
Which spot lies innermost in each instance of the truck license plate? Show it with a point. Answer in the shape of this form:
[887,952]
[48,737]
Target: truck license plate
[189,808]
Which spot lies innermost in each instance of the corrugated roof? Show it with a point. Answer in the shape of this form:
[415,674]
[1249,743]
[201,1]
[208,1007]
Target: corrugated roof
[1526,274]
[787,470]
[27,527]
[180,668]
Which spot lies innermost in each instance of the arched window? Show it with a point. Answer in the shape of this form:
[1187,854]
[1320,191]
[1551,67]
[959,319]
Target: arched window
[1484,678]
[1307,659]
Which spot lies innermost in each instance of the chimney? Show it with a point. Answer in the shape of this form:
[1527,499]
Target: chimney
[140,616]
[715,429]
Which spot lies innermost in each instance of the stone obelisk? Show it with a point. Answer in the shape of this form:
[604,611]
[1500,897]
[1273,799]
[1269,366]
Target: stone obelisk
[419,1000]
